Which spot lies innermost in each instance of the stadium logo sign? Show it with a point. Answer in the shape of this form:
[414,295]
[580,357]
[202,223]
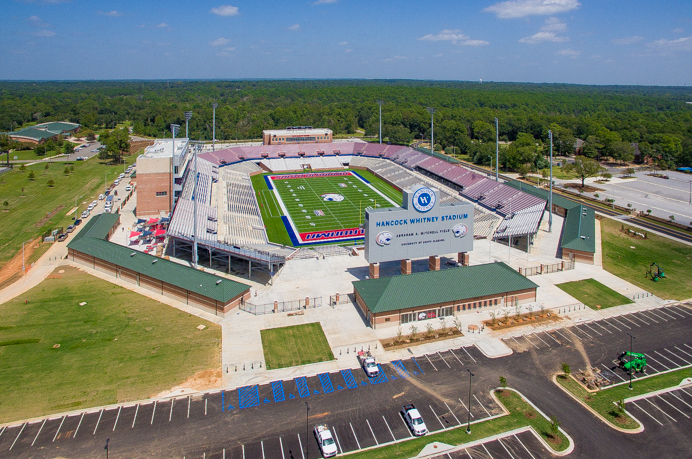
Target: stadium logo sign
[424,199]
[384,238]
[460,230]
[332,197]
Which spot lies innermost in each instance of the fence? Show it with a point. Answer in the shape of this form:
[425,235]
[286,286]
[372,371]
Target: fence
[341,299]
[547,269]
[282,306]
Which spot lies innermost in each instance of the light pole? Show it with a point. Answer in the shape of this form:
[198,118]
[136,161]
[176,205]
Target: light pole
[213,132]
[105,187]
[550,195]
[380,102]
[107,448]
[307,429]
[174,131]
[432,128]
[468,425]
[631,368]
[497,151]
[188,115]
[194,213]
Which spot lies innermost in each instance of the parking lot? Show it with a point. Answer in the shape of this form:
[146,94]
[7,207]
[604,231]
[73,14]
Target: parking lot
[523,445]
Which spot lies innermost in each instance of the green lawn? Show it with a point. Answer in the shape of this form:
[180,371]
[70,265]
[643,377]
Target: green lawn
[295,345]
[603,401]
[521,414]
[309,211]
[25,217]
[592,293]
[119,346]
[632,264]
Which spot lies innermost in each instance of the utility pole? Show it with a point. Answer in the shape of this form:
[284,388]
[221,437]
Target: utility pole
[550,195]
[631,368]
[468,425]
[432,111]
[497,151]
[307,429]
[380,102]
[213,132]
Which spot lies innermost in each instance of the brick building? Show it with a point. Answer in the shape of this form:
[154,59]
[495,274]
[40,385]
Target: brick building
[293,135]
[160,173]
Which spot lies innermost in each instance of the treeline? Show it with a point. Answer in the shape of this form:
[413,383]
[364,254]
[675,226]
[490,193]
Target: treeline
[608,119]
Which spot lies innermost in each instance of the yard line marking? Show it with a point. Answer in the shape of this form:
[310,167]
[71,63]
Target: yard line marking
[612,325]
[39,431]
[624,325]
[479,402]
[117,417]
[647,413]
[205,406]
[612,372]
[467,410]
[536,335]
[189,400]
[438,418]
[676,364]
[680,398]
[338,443]
[390,429]
[152,413]
[372,432]
[354,435]
[522,444]
[658,362]
[281,443]
[690,355]
[593,329]
[136,411]
[558,332]
[171,413]
[486,450]
[582,331]
[659,409]
[531,342]
[443,359]
[262,444]
[407,429]
[499,440]
[632,322]
[299,442]
[450,410]
[433,365]
[674,407]
[642,313]
[467,353]
[595,322]
[455,356]
[553,338]
[20,432]
[97,424]
[80,423]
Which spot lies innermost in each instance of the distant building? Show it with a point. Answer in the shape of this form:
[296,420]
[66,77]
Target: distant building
[299,134]
[45,131]
[160,173]
[579,147]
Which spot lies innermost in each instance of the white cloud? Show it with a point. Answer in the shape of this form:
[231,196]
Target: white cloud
[678,30]
[294,28]
[627,40]
[522,8]
[474,43]
[348,50]
[225,10]
[229,49]
[37,22]
[343,43]
[572,54]
[163,25]
[542,37]
[679,44]
[113,14]
[219,41]
[456,36]
[324,2]
[44,33]
[554,25]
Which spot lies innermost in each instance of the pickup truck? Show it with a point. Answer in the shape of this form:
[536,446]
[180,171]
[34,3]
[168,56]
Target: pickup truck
[325,440]
[414,420]
[367,361]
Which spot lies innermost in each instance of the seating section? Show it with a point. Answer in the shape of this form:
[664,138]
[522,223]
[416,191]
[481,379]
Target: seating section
[299,164]
[521,223]
[240,222]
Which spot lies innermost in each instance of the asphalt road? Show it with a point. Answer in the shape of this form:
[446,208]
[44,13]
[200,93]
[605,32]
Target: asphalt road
[269,421]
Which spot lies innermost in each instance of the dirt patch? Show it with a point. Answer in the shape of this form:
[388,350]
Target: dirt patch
[586,188]
[203,380]
[622,420]
[421,338]
[14,266]
[554,439]
[518,321]
[530,414]
[48,216]
[504,393]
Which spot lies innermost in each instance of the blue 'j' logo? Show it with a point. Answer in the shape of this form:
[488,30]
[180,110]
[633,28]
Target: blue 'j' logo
[424,199]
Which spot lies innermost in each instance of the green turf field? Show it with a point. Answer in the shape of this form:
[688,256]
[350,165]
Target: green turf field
[307,203]
[594,294]
[295,345]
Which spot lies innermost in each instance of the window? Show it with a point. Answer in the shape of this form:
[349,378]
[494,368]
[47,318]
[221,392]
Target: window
[406,318]
[162,193]
[485,303]
[446,312]
[495,301]
[386,319]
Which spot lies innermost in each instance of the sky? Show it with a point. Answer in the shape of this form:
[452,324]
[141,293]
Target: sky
[627,42]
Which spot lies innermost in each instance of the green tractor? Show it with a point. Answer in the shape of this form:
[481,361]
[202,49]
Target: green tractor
[632,361]
[656,275]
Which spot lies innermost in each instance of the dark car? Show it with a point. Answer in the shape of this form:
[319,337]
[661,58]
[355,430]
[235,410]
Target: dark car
[62,237]
[78,222]
[107,192]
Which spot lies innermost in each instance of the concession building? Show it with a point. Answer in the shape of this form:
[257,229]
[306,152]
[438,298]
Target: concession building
[399,300]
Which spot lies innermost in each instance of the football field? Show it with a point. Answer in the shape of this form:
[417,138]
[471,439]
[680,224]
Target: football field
[320,207]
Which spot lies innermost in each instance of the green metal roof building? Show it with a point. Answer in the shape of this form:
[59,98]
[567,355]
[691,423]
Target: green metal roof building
[44,131]
[194,287]
[578,239]
[426,295]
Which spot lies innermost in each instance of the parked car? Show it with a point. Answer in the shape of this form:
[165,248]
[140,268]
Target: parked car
[77,222]
[414,420]
[128,188]
[70,229]
[85,214]
[107,192]
[102,197]
[62,237]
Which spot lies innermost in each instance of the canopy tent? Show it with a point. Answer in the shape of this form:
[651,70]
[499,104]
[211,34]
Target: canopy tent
[135,234]
[141,220]
[159,232]
[147,233]
[152,221]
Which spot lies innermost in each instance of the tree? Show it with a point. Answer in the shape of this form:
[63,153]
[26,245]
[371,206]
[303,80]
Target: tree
[554,426]
[68,148]
[630,171]
[40,150]
[605,175]
[116,142]
[22,168]
[584,168]
[503,381]
[31,175]
[566,369]
[66,171]
[622,151]
[50,183]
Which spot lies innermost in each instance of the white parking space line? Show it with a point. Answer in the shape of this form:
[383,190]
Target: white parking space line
[467,410]
[674,311]
[647,316]
[604,376]
[170,415]
[486,451]
[262,444]
[60,427]
[636,316]
[96,427]
[648,365]
[410,434]
[135,418]
[438,418]
[455,356]
[655,314]
[39,432]
[605,320]
[684,310]
[302,453]
[153,412]
[479,402]
[78,425]
[686,353]
[522,444]
[623,324]
[389,428]
[582,331]
[631,321]
[674,407]
[558,332]
[372,432]
[338,443]
[443,359]
[455,416]
[536,335]
[671,361]
[680,398]
[467,353]
[189,400]
[433,365]
[649,356]
[647,413]
[596,322]
[612,372]
[593,329]
[243,447]
[659,409]
[499,440]
[527,339]
[551,336]
[665,313]
[354,436]
[467,452]
[2,431]
[20,432]
[205,406]
[117,417]
[281,444]
[516,341]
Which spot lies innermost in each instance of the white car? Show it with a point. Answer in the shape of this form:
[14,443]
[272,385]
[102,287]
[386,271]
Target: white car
[85,214]
[102,197]
[414,420]
[128,188]
[325,440]
[94,203]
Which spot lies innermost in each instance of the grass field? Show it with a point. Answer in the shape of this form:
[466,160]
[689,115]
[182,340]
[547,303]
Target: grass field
[28,201]
[593,294]
[631,264]
[119,346]
[295,345]
[306,204]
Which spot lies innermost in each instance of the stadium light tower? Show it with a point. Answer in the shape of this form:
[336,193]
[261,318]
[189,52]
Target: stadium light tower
[194,211]
[432,111]
[497,150]
[174,130]
[213,132]
[379,102]
[550,195]
[188,115]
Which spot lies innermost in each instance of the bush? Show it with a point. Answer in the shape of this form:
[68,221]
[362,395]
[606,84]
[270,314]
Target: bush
[51,183]
[671,218]
[5,203]
[503,381]
[31,175]
[566,369]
